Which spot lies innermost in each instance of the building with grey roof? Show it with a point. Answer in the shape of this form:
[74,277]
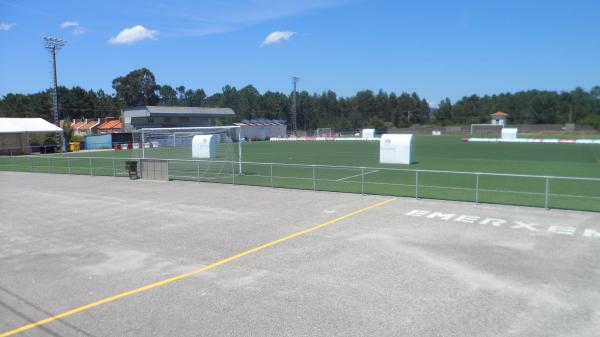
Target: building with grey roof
[172,116]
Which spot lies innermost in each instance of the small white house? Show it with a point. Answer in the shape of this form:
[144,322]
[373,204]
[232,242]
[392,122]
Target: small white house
[499,118]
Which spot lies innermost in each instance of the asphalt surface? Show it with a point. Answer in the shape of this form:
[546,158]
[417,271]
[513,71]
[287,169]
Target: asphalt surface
[405,268]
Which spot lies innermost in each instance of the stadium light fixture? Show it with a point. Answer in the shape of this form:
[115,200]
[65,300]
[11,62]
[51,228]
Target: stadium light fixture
[53,45]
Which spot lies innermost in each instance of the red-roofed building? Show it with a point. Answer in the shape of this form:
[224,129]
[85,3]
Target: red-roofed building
[85,126]
[110,125]
[499,118]
[75,124]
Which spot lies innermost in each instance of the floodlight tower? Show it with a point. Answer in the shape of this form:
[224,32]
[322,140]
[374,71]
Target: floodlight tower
[53,45]
[295,80]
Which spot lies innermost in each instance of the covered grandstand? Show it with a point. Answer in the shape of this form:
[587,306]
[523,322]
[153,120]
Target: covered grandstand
[262,129]
[172,116]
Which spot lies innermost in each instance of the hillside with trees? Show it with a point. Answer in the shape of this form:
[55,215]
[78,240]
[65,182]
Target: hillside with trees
[381,110]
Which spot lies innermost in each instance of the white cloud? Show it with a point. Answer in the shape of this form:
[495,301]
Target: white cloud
[68,24]
[277,37]
[133,34]
[78,31]
[6,26]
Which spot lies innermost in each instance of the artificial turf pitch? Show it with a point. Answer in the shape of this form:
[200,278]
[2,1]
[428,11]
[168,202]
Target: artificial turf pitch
[446,153]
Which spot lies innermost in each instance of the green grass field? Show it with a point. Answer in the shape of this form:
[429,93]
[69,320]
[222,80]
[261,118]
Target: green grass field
[446,153]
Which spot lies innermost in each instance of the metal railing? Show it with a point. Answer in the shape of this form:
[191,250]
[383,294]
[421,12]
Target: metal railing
[580,193]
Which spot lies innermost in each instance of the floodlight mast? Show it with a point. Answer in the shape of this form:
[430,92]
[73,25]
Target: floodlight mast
[295,80]
[53,45]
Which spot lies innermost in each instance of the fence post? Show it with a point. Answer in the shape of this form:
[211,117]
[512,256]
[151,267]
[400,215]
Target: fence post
[91,172]
[362,180]
[14,164]
[114,168]
[477,188]
[313,178]
[547,192]
[68,165]
[49,165]
[31,163]
[198,171]
[271,165]
[416,184]
[232,173]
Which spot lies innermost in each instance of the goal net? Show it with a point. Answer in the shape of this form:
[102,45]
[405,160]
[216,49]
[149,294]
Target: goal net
[324,132]
[486,129]
[197,153]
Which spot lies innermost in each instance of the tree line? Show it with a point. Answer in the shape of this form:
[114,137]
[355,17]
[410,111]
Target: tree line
[525,107]
[380,110]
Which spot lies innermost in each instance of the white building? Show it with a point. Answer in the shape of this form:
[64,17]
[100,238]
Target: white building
[499,118]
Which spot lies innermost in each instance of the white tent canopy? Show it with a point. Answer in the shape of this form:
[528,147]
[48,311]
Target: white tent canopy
[26,125]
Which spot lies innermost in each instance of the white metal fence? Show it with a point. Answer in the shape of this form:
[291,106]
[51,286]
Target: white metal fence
[578,193]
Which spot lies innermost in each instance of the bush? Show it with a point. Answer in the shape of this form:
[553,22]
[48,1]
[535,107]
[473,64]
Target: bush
[593,120]
[77,138]
[377,123]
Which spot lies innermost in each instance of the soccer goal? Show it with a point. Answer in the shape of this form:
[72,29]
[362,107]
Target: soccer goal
[204,151]
[324,132]
[486,129]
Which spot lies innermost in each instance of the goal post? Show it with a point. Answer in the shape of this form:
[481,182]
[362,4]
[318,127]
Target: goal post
[179,143]
[324,132]
[486,129]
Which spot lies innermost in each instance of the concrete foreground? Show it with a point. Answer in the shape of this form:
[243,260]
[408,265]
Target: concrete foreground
[405,268]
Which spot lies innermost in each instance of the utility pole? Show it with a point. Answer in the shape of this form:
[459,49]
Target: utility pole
[570,113]
[53,45]
[295,80]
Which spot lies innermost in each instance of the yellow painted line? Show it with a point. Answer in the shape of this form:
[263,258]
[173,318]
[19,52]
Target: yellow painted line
[194,272]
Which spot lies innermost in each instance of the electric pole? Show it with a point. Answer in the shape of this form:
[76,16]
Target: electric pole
[570,113]
[53,45]
[295,80]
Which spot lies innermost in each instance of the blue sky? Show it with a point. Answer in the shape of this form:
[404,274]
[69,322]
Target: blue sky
[435,48]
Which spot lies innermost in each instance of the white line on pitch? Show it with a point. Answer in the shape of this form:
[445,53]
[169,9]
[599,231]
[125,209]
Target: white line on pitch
[356,175]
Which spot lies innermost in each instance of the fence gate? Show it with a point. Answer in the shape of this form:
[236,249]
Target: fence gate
[154,169]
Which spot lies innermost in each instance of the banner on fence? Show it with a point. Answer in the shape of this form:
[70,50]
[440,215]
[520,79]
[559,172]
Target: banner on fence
[532,140]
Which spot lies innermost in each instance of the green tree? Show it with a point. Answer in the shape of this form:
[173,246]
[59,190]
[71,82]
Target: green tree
[249,100]
[443,114]
[377,123]
[275,105]
[167,95]
[136,88]
[195,97]
[364,103]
